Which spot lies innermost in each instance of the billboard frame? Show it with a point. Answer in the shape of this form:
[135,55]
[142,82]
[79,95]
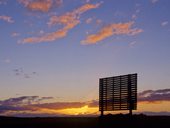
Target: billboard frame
[118,93]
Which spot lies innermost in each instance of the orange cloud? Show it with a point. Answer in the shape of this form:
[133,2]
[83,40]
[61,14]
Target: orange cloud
[112,29]
[68,20]
[40,5]
[6,18]
[43,6]
[71,18]
[48,37]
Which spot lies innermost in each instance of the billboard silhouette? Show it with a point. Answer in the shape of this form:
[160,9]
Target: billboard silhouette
[118,93]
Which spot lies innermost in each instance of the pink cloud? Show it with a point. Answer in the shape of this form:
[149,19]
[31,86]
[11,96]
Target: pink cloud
[6,18]
[68,20]
[112,29]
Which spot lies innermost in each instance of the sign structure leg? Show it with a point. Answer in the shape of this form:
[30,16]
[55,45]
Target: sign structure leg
[102,113]
[130,112]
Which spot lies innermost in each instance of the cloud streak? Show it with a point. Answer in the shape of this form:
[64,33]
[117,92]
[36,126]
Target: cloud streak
[23,100]
[164,23]
[154,1]
[21,72]
[110,30]
[15,34]
[6,18]
[68,21]
[154,95]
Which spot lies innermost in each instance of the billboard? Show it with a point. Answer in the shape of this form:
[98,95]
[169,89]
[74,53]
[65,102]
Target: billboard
[118,93]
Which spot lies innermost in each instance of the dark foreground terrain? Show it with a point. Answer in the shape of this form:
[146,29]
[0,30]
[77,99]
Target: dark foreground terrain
[109,121]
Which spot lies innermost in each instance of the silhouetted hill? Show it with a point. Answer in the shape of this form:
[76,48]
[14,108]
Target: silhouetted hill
[108,121]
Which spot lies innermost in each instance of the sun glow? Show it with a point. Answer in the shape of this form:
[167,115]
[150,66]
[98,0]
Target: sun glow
[79,111]
[88,110]
[85,110]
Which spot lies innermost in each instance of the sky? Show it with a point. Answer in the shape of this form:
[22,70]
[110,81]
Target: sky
[53,52]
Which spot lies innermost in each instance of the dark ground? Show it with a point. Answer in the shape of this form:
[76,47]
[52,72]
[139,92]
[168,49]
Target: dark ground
[109,121]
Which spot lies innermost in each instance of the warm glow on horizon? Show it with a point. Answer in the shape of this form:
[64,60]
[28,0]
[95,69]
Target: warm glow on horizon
[154,106]
[85,110]
[143,107]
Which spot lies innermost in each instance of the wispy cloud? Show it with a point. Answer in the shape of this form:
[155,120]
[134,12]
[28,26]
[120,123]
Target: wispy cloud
[3,2]
[15,34]
[132,44]
[164,23]
[37,101]
[136,12]
[7,61]
[112,29]
[68,20]
[6,18]
[154,1]
[87,1]
[21,72]
[154,95]
[134,16]
[24,100]
[40,5]
[89,20]
[98,21]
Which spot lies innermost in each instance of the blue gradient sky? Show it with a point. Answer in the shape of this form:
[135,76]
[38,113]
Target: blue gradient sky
[69,70]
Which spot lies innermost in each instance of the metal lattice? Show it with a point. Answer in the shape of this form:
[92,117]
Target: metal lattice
[118,93]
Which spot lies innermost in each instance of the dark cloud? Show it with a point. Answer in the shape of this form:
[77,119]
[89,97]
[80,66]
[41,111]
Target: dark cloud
[23,100]
[154,95]
[164,113]
[93,103]
[4,108]
[21,72]
[23,103]
[61,105]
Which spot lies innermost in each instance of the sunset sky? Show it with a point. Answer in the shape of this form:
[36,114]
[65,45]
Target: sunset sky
[53,52]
